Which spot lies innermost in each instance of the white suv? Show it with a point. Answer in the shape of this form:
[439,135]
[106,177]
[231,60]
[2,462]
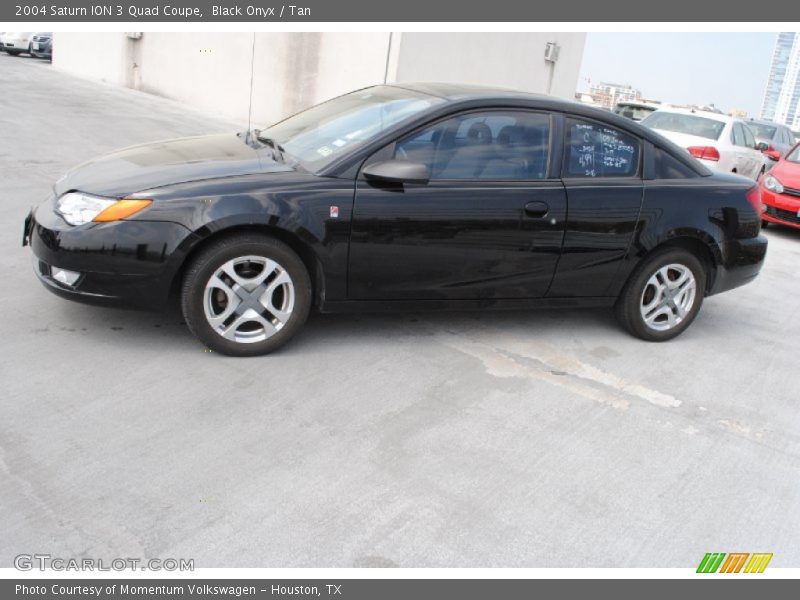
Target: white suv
[16,42]
[720,142]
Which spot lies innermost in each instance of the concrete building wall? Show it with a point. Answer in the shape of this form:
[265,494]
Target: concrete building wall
[290,71]
[514,60]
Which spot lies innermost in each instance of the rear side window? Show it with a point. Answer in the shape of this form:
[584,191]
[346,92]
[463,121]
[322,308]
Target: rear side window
[688,124]
[596,150]
[749,139]
[738,135]
[669,167]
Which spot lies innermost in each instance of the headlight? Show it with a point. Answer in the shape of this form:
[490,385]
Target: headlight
[773,185]
[79,209]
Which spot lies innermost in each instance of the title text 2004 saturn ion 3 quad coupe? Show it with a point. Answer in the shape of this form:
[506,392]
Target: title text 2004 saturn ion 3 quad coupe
[414,196]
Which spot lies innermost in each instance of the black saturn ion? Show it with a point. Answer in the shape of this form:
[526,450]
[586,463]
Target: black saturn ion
[408,197]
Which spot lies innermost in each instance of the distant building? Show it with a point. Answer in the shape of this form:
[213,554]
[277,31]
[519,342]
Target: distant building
[608,94]
[782,96]
[738,112]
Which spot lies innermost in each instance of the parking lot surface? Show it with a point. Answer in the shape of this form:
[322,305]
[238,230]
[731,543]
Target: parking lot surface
[537,439]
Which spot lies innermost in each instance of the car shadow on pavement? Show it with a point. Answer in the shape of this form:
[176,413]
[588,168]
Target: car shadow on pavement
[168,331]
[780,231]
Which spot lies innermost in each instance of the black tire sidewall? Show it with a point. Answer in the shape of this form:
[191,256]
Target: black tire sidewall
[629,310]
[204,266]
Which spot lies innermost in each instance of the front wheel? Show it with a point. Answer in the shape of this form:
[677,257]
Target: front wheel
[663,296]
[246,295]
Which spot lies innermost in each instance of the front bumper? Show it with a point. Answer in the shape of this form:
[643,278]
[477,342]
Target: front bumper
[42,49]
[780,208]
[125,263]
[16,45]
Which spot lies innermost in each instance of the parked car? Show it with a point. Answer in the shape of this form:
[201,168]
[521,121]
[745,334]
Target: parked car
[720,142]
[780,191]
[42,45]
[17,42]
[636,110]
[773,139]
[412,197]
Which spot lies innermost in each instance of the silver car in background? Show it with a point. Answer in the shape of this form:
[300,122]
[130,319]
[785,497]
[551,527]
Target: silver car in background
[773,139]
[720,142]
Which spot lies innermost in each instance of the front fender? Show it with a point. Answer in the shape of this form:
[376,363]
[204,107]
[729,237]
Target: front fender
[310,213]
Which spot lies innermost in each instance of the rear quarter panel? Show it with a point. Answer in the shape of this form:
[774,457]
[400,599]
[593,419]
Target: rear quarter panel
[713,210]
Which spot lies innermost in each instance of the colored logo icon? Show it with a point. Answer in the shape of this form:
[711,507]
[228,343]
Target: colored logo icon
[735,562]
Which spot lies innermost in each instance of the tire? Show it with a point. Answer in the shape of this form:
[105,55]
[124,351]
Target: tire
[13,52]
[256,290]
[642,294]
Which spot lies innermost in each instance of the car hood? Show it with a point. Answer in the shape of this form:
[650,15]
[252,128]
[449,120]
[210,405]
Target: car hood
[788,173]
[685,140]
[148,166]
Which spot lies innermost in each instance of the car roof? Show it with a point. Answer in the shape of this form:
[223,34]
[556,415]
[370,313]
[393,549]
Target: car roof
[463,96]
[639,103]
[465,93]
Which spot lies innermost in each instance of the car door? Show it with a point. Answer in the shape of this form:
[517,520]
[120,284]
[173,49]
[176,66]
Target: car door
[602,173]
[487,225]
[754,156]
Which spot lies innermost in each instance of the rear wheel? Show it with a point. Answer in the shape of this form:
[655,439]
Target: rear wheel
[663,296]
[246,295]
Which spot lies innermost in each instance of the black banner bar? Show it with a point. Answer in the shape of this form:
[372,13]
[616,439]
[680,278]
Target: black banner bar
[313,11]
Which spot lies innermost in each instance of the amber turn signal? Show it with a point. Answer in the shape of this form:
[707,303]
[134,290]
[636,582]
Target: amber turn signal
[121,210]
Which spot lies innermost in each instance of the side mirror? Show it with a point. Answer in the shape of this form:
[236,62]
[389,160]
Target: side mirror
[763,146]
[773,154]
[398,171]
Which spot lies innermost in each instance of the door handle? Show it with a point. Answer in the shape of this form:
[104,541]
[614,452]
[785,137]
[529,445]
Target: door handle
[536,209]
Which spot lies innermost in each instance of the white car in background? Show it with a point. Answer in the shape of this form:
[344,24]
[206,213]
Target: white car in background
[16,42]
[720,142]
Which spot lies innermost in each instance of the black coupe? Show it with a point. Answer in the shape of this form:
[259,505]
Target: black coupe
[408,197]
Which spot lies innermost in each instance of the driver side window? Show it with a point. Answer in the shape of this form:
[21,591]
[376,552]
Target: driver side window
[493,145]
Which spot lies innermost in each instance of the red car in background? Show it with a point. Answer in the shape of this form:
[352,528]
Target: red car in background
[780,191]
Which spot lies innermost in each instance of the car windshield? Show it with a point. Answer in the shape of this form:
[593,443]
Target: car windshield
[317,136]
[794,155]
[765,132]
[688,124]
[637,113]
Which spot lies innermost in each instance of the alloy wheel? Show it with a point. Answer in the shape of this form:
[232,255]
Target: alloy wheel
[249,299]
[668,297]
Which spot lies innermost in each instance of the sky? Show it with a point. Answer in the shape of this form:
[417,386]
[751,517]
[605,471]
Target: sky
[728,70]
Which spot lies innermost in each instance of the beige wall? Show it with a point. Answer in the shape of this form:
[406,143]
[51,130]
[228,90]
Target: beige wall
[211,71]
[513,60]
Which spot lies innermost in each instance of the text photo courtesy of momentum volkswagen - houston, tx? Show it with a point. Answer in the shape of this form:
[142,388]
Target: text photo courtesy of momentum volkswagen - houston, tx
[413,307]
